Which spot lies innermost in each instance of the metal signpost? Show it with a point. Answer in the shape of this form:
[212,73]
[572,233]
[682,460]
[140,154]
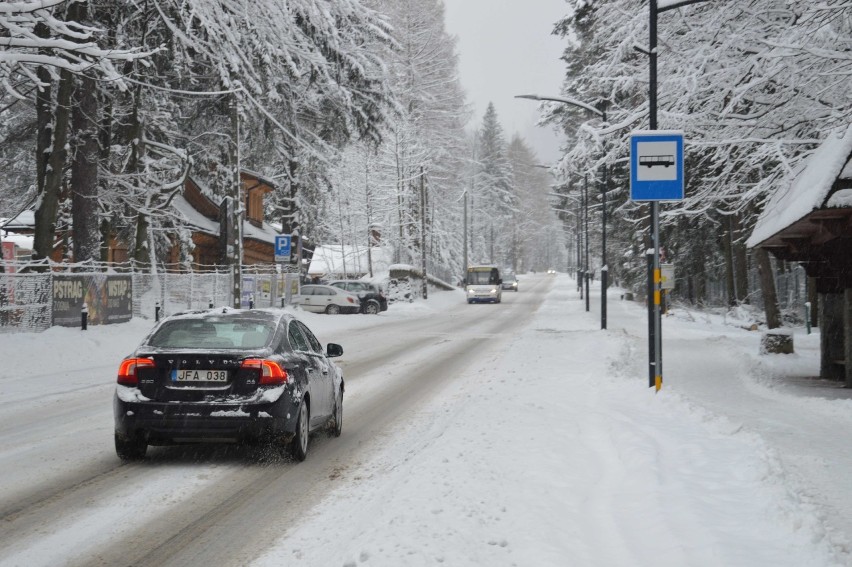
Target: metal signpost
[656,174]
[654,9]
[282,247]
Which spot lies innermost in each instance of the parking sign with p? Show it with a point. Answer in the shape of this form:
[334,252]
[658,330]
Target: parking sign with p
[282,247]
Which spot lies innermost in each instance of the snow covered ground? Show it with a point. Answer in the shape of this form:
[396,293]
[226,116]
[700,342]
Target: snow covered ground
[552,451]
[557,453]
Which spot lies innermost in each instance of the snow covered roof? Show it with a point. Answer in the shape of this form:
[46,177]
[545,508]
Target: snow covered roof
[193,217]
[264,233]
[810,186]
[329,259]
[25,220]
[263,179]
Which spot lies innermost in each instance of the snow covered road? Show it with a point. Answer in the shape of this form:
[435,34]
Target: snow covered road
[512,434]
[208,505]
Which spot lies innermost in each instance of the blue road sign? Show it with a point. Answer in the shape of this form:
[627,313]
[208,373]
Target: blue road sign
[282,248]
[656,165]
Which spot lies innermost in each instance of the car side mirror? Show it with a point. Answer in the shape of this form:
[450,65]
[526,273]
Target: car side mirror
[333,350]
[499,281]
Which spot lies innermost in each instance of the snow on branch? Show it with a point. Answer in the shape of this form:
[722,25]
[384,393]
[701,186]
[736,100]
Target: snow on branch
[58,44]
[13,8]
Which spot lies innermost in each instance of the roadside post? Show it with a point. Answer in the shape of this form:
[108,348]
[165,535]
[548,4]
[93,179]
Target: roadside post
[656,174]
[808,316]
[283,250]
[84,317]
[157,311]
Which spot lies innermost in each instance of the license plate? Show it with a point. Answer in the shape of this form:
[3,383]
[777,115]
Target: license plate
[199,375]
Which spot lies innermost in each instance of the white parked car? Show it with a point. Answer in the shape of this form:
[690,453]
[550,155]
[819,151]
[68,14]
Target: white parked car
[326,299]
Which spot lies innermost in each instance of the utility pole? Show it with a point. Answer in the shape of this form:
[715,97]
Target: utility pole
[464,239]
[604,267]
[235,246]
[580,246]
[586,217]
[491,247]
[423,232]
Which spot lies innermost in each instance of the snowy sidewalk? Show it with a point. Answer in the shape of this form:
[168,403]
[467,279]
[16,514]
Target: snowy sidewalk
[557,453]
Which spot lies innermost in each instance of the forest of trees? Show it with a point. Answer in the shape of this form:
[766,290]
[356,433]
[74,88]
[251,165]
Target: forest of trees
[355,109]
[755,86]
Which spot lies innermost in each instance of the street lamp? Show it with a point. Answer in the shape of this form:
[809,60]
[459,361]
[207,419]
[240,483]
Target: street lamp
[604,268]
[578,239]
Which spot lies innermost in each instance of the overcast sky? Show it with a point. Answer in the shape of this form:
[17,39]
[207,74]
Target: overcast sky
[506,48]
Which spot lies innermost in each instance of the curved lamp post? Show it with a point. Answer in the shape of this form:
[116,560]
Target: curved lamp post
[604,268]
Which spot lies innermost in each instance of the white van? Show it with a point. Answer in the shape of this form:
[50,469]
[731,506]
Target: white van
[483,284]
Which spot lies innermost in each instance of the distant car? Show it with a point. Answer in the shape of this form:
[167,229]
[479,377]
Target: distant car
[372,299]
[326,299]
[510,281]
[551,271]
[231,375]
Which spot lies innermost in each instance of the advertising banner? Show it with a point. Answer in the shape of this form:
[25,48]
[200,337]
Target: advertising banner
[108,298]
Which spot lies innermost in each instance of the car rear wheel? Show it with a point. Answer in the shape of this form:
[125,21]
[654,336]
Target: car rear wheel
[131,448]
[332,309]
[371,308]
[336,426]
[299,445]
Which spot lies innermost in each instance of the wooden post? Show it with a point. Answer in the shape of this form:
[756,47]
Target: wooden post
[767,285]
[831,319]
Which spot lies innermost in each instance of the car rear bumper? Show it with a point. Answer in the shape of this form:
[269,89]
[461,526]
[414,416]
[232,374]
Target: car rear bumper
[166,423]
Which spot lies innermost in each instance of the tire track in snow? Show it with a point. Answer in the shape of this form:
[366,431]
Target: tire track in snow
[231,518]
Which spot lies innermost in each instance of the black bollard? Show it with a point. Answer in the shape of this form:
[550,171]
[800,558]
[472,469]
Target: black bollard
[157,311]
[211,304]
[84,317]
[251,302]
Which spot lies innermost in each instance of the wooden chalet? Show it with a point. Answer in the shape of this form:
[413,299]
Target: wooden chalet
[206,219]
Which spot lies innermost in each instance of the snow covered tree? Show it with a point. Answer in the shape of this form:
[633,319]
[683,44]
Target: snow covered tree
[536,214]
[306,78]
[48,45]
[425,133]
[753,85]
[494,194]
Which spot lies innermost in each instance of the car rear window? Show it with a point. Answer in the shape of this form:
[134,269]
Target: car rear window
[192,333]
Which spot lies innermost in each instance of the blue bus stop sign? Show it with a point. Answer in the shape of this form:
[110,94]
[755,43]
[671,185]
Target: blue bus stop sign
[282,248]
[656,165]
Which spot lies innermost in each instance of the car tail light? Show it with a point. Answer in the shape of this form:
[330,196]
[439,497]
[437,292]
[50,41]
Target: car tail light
[270,371]
[350,300]
[128,371]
